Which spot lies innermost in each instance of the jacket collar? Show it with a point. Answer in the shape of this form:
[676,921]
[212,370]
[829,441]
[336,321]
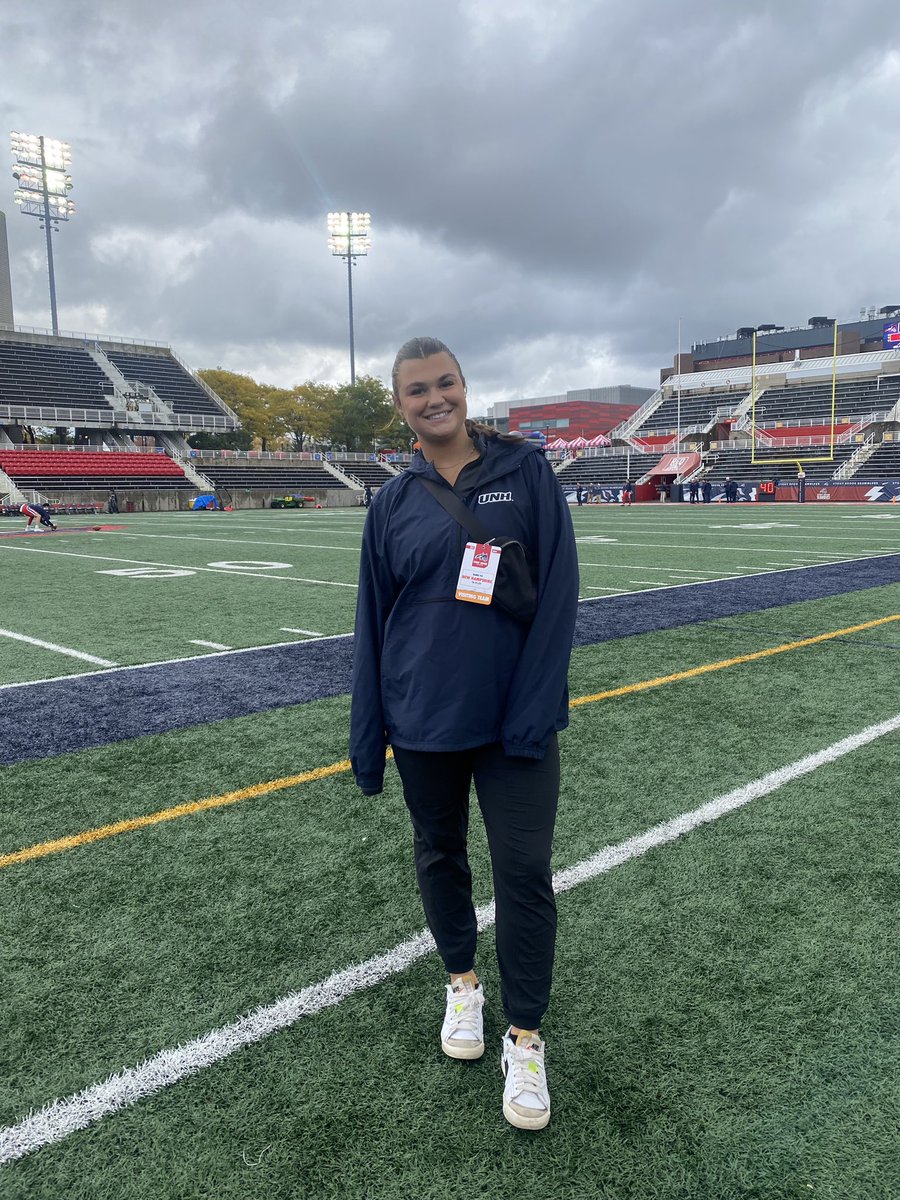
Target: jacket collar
[499,459]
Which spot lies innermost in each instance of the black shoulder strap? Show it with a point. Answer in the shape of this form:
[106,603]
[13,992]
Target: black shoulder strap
[449,500]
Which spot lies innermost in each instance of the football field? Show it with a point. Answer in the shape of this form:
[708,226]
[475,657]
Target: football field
[216,980]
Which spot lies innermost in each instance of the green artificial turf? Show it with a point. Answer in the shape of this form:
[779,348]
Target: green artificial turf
[72,602]
[724,1020]
[723,1025]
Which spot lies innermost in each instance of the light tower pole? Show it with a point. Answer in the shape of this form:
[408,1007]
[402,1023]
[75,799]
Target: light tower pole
[41,172]
[348,237]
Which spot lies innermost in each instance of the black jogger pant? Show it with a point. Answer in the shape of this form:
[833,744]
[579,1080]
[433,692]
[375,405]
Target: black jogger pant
[518,798]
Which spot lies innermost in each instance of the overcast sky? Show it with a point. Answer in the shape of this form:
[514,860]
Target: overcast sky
[552,185]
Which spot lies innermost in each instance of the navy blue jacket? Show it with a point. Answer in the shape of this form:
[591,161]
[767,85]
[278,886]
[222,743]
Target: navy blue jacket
[431,672]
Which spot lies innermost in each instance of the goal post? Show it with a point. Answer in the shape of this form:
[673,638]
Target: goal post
[797,461]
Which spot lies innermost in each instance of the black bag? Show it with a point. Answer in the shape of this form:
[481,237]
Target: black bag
[514,591]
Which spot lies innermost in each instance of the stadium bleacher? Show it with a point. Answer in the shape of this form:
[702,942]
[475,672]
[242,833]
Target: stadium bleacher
[854,398]
[53,376]
[884,463]
[171,382]
[695,410]
[606,471]
[73,470]
[737,464]
[289,479]
[371,473]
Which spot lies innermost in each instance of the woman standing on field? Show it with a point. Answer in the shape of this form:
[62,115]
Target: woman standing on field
[464,690]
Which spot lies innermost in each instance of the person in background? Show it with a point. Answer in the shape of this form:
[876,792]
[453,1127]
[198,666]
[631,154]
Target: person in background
[627,492]
[706,491]
[694,491]
[730,490]
[579,495]
[462,691]
[367,496]
[112,504]
[39,513]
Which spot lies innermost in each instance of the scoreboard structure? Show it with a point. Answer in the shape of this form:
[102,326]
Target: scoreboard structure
[891,335]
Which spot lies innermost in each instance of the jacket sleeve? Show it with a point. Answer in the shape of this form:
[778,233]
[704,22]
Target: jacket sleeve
[377,590]
[538,697]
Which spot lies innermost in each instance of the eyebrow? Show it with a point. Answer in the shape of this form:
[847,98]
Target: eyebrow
[422,382]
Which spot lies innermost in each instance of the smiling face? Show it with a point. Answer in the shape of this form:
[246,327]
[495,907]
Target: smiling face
[431,398]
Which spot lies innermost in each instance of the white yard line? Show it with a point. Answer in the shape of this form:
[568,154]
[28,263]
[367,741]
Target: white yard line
[166,662]
[749,575]
[666,570]
[59,1118]
[717,549]
[309,632]
[212,645]
[142,562]
[21,637]
[196,537]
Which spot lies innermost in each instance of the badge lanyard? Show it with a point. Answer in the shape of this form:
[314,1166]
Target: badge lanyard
[478,573]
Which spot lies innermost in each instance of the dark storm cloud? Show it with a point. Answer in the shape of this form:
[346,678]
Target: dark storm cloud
[551,186]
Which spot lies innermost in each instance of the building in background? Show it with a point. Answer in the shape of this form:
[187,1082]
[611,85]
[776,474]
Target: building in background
[874,329]
[6,304]
[584,412]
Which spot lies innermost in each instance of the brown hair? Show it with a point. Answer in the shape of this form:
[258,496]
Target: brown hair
[425,347]
[420,347]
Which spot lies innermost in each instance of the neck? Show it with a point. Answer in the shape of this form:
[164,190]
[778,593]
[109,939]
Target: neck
[453,454]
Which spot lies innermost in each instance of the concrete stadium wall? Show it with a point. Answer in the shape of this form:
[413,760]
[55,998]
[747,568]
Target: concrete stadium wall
[263,497]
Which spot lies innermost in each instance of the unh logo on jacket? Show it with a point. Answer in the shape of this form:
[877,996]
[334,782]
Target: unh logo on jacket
[495,498]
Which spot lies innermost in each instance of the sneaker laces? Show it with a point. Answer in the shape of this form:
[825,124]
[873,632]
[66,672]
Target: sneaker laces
[526,1062]
[463,1008]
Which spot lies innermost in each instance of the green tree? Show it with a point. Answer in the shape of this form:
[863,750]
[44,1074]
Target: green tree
[271,415]
[234,439]
[238,391]
[311,413]
[262,409]
[363,414]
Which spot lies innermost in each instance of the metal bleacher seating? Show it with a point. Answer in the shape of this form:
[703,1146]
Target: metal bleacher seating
[737,463]
[51,376]
[695,410]
[371,473]
[168,378]
[288,479]
[884,463]
[606,471]
[854,398]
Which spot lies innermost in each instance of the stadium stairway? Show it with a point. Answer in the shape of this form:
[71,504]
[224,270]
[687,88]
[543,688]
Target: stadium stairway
[173,448]
[9,493]
[858,458]
[347,480]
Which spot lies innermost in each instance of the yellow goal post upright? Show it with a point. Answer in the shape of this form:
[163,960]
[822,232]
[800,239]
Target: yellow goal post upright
[798,462]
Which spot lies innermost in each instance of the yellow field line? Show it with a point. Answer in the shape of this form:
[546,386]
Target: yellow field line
[169,814]
[42,849]
[728,662]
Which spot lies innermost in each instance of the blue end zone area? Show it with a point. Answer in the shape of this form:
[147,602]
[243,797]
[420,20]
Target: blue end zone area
[112,706]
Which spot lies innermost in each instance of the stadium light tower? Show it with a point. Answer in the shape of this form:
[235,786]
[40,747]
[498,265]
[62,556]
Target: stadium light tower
[348,237]
[41,172]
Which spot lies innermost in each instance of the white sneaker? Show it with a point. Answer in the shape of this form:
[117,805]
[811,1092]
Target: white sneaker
[526,1100]
[462,1033]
